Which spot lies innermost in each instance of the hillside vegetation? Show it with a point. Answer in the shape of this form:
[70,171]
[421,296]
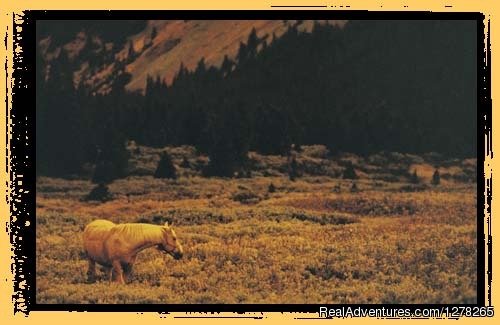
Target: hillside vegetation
[312,240]
[349,88]
[149,48]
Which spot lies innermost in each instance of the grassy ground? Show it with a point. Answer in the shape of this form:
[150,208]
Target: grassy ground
[310,241]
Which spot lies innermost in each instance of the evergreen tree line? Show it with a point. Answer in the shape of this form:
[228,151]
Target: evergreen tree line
[406,86]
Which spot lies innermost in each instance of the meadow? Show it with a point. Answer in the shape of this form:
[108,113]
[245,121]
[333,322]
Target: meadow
[313,240]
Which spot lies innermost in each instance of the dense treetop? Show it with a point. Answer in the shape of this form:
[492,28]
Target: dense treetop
[407,86]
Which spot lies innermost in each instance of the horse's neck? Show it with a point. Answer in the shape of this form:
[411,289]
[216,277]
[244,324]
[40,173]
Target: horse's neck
[152,238]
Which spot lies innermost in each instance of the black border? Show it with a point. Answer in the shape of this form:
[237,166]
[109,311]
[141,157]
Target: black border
[22,151]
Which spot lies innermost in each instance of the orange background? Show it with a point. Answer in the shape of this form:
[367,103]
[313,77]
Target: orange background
[9,7]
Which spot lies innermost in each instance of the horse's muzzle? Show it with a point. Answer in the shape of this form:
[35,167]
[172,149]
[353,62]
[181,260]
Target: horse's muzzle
[177,255]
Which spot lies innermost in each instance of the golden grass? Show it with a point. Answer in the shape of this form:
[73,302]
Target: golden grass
[301,244]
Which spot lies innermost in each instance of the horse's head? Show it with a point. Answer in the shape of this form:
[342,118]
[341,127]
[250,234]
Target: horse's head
[171,244]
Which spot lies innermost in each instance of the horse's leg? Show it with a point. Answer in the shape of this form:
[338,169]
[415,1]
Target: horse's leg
[128,268]
[109,273]
[127,271]
[91,271]
[117,267]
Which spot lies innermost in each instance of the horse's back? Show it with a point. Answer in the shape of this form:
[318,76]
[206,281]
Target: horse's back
[98,229]
[94,236]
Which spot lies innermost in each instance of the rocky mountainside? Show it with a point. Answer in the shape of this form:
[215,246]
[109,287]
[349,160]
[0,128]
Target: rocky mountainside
[99,51]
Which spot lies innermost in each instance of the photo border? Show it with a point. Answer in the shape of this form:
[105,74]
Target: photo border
[21,148]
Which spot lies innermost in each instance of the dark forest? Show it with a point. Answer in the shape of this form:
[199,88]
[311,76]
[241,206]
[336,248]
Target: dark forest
[404,86]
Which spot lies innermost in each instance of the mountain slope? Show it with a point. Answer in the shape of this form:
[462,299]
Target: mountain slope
[158,50]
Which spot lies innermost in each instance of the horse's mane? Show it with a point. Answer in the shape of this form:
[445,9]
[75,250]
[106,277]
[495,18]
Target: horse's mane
[139,231]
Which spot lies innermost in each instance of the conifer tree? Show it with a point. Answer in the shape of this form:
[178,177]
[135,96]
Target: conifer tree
[349,172]
[226,67]
[293,171]
[154,32]
[436,178]
[414,177]
[166,168]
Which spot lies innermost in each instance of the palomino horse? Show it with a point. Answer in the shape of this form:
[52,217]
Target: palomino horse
[115,246]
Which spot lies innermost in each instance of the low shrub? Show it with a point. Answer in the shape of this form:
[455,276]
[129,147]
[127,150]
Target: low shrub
[99,193]
[246,197]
